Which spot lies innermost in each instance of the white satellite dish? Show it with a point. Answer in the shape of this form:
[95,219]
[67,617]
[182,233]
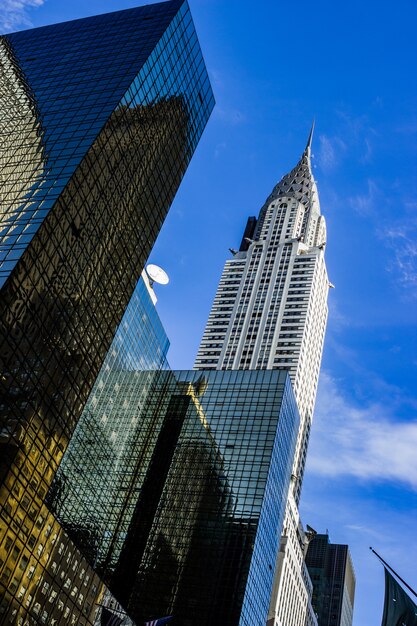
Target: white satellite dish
[157,274]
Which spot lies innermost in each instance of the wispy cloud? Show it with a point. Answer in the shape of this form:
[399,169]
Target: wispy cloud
[14,13]
[220,147]
[360,135]
[376,203]
[366,530]
[367,152]
[402,239]
[337,319]
[367,442]
[407,128]
[330,151]
[354,140]
[216,77]
[366,203]
[229,115]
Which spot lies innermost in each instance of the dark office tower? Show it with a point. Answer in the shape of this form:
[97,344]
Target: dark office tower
[100,118]
[331,571]
[213,462]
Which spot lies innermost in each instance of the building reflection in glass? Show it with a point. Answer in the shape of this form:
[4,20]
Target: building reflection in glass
[96,487]
[22,157]
[197,473]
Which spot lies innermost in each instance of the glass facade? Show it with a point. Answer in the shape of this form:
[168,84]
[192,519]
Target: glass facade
[100,118]
[184,479]
[204,536]
[140,342]
[94,490]
[331,571]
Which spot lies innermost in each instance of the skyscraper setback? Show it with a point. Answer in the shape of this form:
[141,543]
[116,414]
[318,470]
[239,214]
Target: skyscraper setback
[270,312]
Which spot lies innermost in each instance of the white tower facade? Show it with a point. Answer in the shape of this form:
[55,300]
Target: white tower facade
[270,312]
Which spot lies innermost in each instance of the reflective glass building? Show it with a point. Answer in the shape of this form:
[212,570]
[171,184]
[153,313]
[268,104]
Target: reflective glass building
[100,118]
[177,486]
[94,490]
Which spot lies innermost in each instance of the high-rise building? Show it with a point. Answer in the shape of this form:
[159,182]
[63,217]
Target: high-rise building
[292,591]
[100,117]
[270,312]
[270,309]
[333,577]
[182,493]
[216,488]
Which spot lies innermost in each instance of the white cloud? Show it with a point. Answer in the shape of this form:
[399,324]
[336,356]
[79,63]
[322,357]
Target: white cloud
[360,135]
[409,128]
[216,77]
[399,236]
[367,442]
[14,13]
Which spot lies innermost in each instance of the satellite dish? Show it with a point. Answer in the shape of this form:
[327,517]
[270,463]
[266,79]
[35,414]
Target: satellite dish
[157,274]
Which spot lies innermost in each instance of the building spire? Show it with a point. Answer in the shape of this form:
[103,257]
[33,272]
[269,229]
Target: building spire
[299,182]
[310,137]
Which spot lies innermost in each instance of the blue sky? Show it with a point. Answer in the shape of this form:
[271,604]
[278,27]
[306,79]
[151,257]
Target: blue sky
[275,66]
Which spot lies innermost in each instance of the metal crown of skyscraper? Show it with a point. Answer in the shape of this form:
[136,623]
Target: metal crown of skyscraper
[299,182]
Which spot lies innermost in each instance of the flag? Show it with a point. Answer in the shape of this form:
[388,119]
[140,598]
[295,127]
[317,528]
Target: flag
[159,622]
[110,619]
[399,609]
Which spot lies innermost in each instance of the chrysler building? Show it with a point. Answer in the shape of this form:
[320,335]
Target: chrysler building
[270,309]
